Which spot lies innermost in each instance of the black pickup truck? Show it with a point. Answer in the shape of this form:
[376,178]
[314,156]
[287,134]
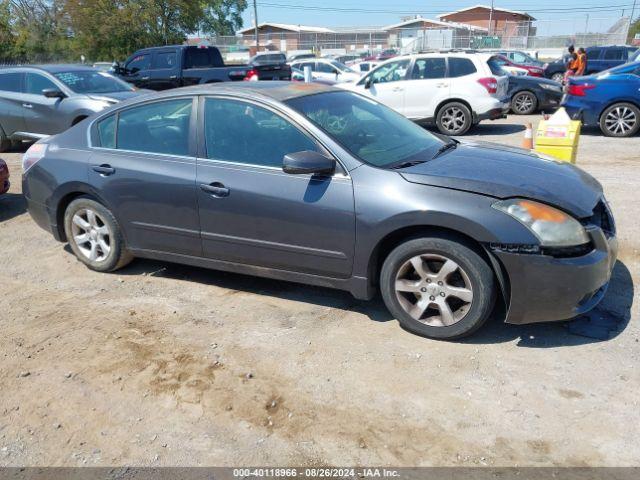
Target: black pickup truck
[161,68]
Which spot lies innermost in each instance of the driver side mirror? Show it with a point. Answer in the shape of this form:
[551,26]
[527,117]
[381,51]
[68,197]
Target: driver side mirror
[53,93]
[308,162]
[368,82]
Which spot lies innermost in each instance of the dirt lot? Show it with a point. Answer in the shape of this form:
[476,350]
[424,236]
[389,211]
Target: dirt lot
[161,364]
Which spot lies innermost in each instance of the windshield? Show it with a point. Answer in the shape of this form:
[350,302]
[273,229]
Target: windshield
[89,81]
[341,66]
[370,131]
[271,57]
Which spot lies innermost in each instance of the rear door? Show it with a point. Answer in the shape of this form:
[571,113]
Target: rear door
[426,87]
[594,60]
[165,70]
[143,164]
[11,100]
[387,84]
[613,57]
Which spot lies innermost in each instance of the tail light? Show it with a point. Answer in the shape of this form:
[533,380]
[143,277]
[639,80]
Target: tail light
[490,83]
[32,155]
[579,90]
[251,76]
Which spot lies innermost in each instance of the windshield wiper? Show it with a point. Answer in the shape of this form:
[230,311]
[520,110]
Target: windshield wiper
[407,164]
[445,147]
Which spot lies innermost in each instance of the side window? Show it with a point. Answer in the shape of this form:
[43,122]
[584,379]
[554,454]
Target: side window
[165,60]
[518,57]
[326,68]
[36,83]
[614,54]
[160,127]
[593,53]
[307,64]
[459,67]
[390,72]
[139,62]
[107,132]
[429,68]
[10,82]
[244,133]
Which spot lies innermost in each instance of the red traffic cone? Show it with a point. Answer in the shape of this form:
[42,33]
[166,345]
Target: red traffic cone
[527,141]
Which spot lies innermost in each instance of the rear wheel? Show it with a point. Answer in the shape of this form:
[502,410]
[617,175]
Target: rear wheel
[95,236]
[524,103]
[620,120]
[454,119]
[437,287]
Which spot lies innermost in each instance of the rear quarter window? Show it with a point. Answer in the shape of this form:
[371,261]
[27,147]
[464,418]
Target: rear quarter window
[107,132]
[10,82]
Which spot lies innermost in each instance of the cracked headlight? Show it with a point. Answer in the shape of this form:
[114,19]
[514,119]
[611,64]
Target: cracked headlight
[551,226]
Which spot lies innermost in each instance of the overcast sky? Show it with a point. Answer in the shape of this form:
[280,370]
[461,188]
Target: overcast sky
[555,16]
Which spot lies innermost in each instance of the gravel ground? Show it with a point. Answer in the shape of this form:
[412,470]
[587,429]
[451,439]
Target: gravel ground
[161,364]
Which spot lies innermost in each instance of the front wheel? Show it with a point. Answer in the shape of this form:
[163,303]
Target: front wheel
[94,235]
[558,77]
[620,120]
[454,119]
[437,287]
[524,103]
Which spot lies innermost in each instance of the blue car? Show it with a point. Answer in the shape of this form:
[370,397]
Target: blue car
[610,100]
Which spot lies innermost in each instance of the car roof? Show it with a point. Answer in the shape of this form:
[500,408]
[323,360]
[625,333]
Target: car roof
[276,90]
[55,68]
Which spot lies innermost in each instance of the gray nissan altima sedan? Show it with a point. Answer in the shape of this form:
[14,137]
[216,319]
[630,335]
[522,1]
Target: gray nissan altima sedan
[307,183]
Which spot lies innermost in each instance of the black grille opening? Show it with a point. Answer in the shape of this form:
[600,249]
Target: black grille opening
[602,218]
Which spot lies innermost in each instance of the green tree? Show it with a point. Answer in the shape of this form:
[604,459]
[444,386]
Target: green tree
[634,29]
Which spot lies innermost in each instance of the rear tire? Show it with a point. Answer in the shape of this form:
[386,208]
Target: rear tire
[620,120]
[95,236]
[524,103]
[454,118]
[438,287]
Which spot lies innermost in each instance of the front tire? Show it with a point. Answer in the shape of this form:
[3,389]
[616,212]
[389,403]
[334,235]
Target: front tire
[558,77]
[438,287]
[620,120]
[454,119]
[95,236]
[524,103]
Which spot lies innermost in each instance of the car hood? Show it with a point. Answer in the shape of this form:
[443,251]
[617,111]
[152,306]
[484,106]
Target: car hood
[116,96]
[504,172]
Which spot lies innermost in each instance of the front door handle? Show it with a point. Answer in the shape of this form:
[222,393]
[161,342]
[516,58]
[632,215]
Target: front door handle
[173,77]
[216,189]
[27,105]
[397,89]
[104,169]
[442,85]
[144,78]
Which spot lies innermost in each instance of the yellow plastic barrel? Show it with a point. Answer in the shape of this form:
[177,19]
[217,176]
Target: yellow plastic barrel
[559,136]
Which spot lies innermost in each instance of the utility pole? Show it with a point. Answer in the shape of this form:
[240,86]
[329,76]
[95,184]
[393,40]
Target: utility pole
[633,11]
[255,16]
[491,18]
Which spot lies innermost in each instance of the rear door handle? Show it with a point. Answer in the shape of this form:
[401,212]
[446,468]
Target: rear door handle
[144,78]
[216,189]
[27,105]
[104,170]
[173,77]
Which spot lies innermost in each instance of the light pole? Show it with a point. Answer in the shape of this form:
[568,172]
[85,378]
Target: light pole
[491,18]
[255,16]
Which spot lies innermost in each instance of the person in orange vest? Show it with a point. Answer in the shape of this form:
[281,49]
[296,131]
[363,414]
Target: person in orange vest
[572,64]
[582,62]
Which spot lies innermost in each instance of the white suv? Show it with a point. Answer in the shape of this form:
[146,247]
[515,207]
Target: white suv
[454,90]
[327,69]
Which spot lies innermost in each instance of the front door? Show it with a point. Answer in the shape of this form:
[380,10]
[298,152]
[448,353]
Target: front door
[165,71]
[251,212]
[42,115]
[145,170]
[426,87]
[137,70]
[387,84]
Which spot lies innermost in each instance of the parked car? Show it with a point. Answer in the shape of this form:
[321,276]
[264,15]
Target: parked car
[325,187]
[300,56]
[610,100]
[533,67]
[454,91]
[530,94]
[327,69]
[298,76]
[510,67]
[37,101]
[4,177]
[366,66]
[598,60]
[383,55]
[269,66]
[161,68]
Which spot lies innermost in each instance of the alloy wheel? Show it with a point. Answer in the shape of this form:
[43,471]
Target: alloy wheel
[453,119]
[434,290]
[523,103]
[557,77]
[620,120]
[91,235]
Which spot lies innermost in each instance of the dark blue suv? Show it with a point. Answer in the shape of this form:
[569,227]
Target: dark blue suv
[598,59]
[610,99]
